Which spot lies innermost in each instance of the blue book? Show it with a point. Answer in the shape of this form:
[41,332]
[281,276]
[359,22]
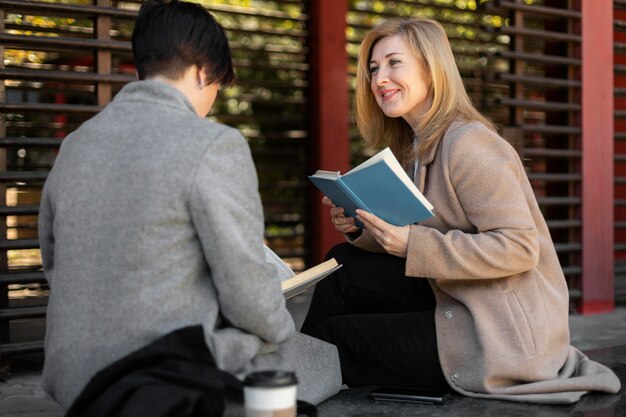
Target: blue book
[379,186]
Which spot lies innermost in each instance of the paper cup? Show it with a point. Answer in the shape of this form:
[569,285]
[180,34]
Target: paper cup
[270,394]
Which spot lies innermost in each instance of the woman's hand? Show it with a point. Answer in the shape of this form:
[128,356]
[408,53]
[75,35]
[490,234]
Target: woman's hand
[394,239]
[342,223]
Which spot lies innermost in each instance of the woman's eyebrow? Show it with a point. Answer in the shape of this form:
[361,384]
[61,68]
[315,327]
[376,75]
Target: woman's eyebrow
[387,56]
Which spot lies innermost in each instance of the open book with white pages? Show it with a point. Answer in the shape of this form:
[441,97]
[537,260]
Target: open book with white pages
[294,284]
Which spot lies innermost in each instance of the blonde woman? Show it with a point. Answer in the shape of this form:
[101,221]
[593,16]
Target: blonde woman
[474,298]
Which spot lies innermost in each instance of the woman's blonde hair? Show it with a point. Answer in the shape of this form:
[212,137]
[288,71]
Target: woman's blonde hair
[428,41]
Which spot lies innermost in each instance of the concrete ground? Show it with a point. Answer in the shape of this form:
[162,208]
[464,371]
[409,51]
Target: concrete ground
[21,394]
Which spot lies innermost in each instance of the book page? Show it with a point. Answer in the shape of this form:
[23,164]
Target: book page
[305,279]
[389,158]
[395,166]
[284,272]
[382,155]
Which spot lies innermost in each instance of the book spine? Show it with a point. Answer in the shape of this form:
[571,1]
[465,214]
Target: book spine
[356,200]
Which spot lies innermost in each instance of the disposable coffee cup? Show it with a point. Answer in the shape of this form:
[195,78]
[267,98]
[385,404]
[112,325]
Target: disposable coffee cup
[270,394]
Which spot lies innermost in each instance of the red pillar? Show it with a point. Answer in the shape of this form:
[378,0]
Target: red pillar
[597,157]
[330,141]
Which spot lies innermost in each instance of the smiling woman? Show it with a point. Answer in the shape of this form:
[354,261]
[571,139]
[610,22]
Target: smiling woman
[474,298]
[400,83]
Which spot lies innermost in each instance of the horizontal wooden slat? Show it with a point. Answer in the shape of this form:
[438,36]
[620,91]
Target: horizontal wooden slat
[30,142]
[48,107]
[553,153]
[55,9]
[575,293]
[559,201]
[619,47]
[17,176]
[23,210]
[22,313]
[22,278]
[572,270]
[547,129]
[25,41]
[537,80]
[565,177]
[21,348]
[535,57]
[537,104]
[68,76]
[620,246]
[619,69]
[564,224]
[17,244]
[536,33]
[568,247]
[534,9]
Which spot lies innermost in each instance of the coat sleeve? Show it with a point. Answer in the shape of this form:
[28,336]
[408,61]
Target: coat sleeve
[46,236]
[227,213]
[495,199]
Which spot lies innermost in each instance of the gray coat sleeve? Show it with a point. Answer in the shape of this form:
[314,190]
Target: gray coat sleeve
[228,216]
[46,237]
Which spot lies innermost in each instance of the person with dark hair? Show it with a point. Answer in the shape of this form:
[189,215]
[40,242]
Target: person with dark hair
[151,221]
[473,299]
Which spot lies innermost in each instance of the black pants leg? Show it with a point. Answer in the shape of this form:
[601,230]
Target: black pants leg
[381,321]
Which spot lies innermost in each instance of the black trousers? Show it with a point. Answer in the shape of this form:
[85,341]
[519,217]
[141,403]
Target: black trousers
[381,321]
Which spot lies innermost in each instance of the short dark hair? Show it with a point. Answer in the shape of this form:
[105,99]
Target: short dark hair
[171,35]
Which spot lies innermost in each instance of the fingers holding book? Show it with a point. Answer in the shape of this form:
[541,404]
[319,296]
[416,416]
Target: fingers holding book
[342,223]
[394,239]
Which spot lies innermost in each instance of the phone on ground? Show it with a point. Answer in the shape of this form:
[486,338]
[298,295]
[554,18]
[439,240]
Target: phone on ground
[409,395]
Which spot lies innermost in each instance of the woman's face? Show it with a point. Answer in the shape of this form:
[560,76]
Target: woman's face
[399,82]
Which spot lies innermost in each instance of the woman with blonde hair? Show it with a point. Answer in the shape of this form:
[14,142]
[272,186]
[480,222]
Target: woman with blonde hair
[474,298]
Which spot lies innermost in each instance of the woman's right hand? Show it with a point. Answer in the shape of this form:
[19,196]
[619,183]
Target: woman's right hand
[342,223]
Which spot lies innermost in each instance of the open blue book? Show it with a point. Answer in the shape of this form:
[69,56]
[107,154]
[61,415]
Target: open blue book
[379,186]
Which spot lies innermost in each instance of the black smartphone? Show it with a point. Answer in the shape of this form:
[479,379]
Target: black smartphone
[409,395]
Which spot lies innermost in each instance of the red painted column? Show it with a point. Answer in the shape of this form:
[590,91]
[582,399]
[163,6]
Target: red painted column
[330,141]
[597,157]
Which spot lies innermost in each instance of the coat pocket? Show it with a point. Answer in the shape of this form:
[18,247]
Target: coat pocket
[521,322]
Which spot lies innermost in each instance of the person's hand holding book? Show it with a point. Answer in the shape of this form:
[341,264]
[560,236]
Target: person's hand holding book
[394,239]
[342,223]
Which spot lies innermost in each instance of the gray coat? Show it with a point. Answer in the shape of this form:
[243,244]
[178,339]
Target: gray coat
[151,220]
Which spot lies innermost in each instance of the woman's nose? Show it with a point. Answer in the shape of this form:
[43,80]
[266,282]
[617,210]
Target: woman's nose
[381,78]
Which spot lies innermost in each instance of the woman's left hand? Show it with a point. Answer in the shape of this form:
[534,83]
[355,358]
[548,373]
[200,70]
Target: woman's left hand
[394,239]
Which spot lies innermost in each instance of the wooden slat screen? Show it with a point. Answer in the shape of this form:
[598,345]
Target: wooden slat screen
[64,61]
[541,91]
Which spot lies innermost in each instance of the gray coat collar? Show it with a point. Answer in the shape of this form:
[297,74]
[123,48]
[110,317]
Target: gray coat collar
[156,92]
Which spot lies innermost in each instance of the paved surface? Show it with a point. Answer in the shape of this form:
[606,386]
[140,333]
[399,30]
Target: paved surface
[355,402]
[21,394]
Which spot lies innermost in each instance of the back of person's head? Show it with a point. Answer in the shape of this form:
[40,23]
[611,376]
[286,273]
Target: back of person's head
[429,42]
[171,35]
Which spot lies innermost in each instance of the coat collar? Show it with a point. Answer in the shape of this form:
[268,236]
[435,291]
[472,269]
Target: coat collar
[154,91]
[429,157]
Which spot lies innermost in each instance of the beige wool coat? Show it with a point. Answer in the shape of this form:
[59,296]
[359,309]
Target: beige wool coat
[502,299]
